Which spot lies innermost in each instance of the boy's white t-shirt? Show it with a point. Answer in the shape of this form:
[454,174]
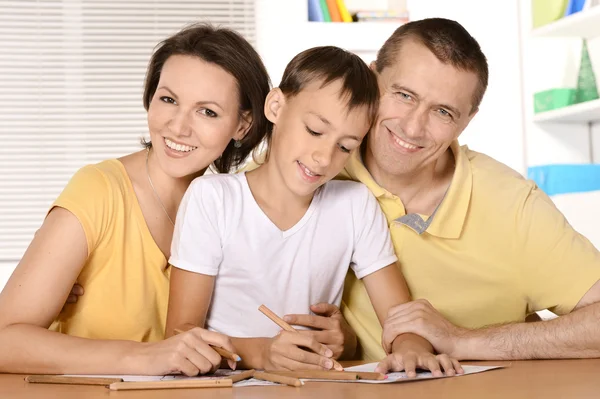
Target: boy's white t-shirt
[221,231]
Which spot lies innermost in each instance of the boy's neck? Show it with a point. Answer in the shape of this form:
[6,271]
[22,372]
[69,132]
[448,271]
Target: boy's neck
[270,192]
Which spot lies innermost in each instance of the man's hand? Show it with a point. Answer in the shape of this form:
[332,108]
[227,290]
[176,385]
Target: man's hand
[332,329]
[421,318]
[75,293]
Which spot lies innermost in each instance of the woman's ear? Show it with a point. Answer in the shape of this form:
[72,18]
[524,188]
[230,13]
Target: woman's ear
[273,104]
[244,126]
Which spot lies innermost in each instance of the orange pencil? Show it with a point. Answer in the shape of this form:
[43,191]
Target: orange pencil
[282,323]
[59,379]
[281,379]
[225,354]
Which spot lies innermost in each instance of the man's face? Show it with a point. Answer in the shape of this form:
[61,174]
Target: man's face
[425,105]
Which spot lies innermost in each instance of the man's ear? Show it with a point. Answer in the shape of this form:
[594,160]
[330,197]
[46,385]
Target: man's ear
[273,104]
[373,66]
[245,124]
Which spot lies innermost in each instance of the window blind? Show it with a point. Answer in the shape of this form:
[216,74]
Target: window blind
[71,75]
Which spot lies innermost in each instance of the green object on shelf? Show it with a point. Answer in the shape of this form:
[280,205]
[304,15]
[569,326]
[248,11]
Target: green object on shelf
[586,81]
[325,9]
[546,11]
[548,100]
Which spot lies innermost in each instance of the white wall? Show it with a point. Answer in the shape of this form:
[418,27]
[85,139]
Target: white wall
[498,128]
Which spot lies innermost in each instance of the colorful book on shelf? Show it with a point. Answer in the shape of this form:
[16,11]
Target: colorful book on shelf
[334,12]
[325,10]
[315,14]
[346,17]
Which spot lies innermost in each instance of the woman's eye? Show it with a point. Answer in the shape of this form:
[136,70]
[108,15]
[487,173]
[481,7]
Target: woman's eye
[166,99]
[208,112]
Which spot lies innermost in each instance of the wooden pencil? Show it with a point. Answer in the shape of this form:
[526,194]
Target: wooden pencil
[281,379]
[283,324]
[368,375]
[171,384]
[319,374]
[58,379]
[276,319]
[241,376]
[224,353]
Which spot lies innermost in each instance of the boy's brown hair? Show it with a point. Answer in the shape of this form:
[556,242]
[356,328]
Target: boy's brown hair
[328,64]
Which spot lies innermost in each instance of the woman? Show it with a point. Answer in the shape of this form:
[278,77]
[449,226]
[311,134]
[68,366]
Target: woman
[111,227]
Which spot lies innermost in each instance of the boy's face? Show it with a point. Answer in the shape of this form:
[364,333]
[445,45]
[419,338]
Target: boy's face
[314,135]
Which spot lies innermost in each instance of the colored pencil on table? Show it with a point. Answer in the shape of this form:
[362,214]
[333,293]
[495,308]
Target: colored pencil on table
[283,324]
[58,379]
[241,376]
[281,379]
[225,354]
[319,374]
[171,384]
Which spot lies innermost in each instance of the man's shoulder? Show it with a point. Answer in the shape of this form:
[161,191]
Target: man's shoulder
[492,175]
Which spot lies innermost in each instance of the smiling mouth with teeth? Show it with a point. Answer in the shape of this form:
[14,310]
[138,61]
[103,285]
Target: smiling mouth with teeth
[179,147]
[307,171]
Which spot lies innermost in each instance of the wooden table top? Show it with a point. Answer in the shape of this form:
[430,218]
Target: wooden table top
[523,379]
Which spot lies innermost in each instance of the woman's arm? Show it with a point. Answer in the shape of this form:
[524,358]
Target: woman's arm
[40,285]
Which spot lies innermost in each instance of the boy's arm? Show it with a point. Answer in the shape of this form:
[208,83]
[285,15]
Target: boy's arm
[189,298]
[387,288]
[283,352]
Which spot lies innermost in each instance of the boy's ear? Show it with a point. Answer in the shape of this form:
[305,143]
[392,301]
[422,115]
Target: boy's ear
[273,104]
[245,124]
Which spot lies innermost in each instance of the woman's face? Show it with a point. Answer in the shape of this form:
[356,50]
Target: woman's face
[193,115]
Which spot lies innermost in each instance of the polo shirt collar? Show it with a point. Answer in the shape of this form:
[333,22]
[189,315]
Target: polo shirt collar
[448,219]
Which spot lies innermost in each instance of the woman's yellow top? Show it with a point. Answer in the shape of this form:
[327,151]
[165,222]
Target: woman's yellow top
[125,278]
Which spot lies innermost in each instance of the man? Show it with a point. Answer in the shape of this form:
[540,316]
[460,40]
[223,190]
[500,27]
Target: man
[480,247]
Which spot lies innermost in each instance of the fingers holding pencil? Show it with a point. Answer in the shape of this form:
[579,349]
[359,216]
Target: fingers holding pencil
[219,343]
[297,358]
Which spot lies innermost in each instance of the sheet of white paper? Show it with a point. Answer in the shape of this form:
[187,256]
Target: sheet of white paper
[401,376]
[391,377]
[218,374]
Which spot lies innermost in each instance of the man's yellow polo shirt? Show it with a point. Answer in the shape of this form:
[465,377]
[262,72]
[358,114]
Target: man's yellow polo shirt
[495,250]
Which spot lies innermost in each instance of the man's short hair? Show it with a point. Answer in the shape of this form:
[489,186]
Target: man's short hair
[448,40]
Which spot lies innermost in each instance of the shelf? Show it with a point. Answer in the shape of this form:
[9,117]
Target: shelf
[584,24]
[579,113]
[352,36]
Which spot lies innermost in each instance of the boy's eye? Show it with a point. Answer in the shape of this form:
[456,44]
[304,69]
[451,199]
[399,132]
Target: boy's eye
[167,99]
[312,132]
[208,112]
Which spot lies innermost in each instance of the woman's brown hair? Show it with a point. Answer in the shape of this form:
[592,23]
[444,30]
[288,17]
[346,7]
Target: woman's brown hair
[230,51]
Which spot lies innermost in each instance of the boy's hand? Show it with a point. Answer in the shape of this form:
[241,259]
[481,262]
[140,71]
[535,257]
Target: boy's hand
[284,352]
[75,293]
[332,329]
[409,360]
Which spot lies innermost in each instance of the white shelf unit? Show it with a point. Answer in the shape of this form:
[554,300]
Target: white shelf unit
[359,37]
[587,112]
[584,24]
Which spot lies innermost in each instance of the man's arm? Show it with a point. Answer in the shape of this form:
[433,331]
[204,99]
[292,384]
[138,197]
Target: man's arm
[575,335]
